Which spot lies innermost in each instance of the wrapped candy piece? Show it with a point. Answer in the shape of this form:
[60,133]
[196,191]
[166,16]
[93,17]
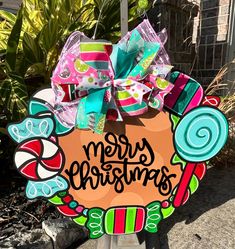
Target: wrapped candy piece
[39,159]
[153,217]
[46,188]
[124,220]
[186,95]
[31,127]
[95,222]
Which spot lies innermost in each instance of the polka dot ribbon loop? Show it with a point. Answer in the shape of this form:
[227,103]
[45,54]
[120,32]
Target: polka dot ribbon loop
[136,89]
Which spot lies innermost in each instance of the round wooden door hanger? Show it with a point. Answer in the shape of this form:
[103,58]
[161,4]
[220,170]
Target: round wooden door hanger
[118,148]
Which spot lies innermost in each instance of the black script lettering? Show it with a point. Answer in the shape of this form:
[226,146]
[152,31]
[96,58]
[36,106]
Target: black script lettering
[119,177]
[127,169]
[122,148]
[165,184]
[96,148]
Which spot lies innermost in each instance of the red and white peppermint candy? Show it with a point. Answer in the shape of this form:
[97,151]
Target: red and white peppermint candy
[39,159]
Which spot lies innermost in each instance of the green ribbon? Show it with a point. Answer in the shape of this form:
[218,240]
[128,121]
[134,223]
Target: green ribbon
[153,217]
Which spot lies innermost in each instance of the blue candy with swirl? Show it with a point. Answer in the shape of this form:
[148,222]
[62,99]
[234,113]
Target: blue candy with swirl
[201,134]
[46,188]
[31,127]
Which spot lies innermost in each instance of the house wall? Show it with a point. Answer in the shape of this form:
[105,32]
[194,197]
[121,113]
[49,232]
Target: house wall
[231,45]
[211,32]
[10,5]
[177,17]
[198,34]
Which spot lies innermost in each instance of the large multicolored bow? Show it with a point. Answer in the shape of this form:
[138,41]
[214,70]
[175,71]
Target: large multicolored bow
[108,82]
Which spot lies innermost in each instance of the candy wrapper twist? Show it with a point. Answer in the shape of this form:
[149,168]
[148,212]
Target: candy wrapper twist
[96,81]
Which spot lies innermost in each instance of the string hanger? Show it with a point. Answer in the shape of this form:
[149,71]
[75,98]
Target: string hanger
[144,15]
[99,17]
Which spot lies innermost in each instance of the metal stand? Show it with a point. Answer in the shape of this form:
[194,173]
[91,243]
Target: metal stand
[144,241]
[124,17]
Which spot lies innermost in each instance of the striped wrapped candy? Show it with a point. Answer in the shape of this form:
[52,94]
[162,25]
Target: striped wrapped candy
[124,220]
[186,94]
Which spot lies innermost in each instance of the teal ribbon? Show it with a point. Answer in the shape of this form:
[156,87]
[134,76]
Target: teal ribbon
[124,56]
[94,101]
[122,62]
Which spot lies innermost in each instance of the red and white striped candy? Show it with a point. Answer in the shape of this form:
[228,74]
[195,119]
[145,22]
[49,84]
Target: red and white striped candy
[39,159]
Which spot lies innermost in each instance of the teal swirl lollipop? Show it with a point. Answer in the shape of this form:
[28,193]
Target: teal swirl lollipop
[201,134]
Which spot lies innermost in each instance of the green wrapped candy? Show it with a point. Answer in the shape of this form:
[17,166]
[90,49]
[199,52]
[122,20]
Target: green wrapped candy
[95,223]
[153,217]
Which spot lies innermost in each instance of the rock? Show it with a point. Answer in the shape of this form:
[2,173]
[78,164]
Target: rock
[35,239]
[64,232]
[1,205]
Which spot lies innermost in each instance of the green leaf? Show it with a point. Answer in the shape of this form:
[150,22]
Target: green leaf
[194,184]
[175,120]
[13,41]
[3,131]
[22,65]
[31,49]
[36,69]
[13,94]
[143,4]
[31,24]
[166,212]
[2,73]
[9,17]
[52,5]
[5,32]
[49,35]
[67,5]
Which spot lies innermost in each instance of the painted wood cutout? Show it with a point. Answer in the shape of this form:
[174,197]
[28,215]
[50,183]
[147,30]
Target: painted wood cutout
[118,150]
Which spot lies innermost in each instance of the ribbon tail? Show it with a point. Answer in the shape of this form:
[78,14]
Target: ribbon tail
[92,111]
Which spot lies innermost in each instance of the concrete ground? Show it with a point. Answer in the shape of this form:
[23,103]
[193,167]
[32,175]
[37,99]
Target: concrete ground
[207,221]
